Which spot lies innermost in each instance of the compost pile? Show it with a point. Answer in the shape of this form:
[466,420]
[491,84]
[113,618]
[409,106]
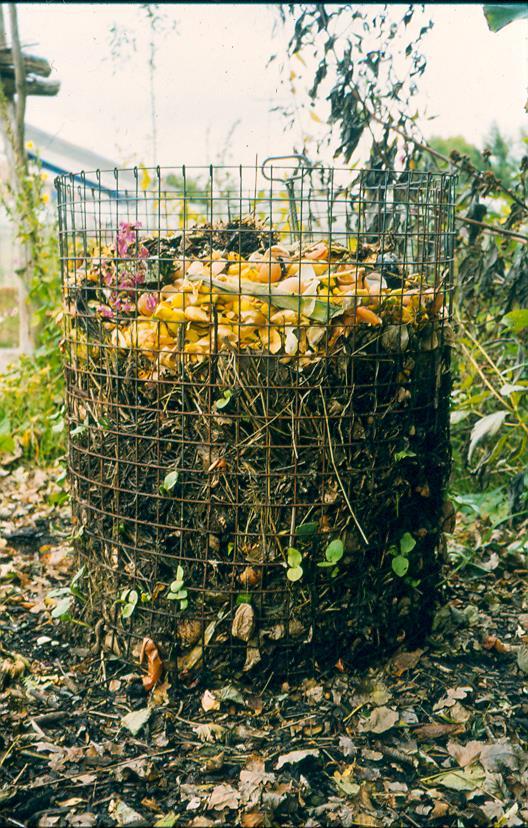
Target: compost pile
[258,444]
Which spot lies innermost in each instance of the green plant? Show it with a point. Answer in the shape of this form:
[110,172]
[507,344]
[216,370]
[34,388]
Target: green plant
[333,554]
[306,530]
[31,389]
[177,591]
[129,599]
[355,73]
[400,554]
[65,598]
[224,400]
[171,478]
[294,571]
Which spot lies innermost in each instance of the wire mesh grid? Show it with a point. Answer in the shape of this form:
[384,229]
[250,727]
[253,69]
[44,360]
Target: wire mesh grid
[257,366]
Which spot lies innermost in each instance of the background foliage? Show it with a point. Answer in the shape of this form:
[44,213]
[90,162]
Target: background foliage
[364,68]
[31,390]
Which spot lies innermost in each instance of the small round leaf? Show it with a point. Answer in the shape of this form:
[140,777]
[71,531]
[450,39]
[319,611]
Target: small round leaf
[170,481]
[294,557]
[334,551]
[295,573]
[407,543]
[400,565]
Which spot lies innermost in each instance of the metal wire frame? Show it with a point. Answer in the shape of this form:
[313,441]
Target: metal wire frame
[348,438]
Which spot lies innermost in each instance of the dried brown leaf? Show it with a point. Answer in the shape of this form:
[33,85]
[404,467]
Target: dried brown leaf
[381,719]
[243,622]
[436,731]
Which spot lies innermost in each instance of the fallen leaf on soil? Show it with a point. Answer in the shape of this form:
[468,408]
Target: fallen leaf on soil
[500,755]
[460,780]
[151,804]
[191,659]
[243,622]
[86,820]
[214,763]
[135,720]
[405,661]
[458,713]
[344,782]
[440,809]
[229,693]
[222,797]
[465,754]
[378,694]
[491,642]
[253,819]
[523,620]
[210,702]
[381,719]
[167,821]
[366,821]
[522,655]
[251,784]
[124,814]
[209,731]
[160,693]
[253,657]
[454,694]
[295,756]
[154,663]
[436,731]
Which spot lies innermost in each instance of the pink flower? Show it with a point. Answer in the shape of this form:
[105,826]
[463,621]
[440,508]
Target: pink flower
[105,312]
[125,236]
[109,273]
[121,303]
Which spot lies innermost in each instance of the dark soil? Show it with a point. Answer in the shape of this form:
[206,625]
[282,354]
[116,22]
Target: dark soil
[436,736]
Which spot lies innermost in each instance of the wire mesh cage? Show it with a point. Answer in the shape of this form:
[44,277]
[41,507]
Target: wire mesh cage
[257,366]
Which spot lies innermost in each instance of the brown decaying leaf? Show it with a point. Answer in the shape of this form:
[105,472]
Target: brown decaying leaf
[381,719]
[405,661]
[436,731]
[222,797]
[491,642]
[243,622]
[154,663]
[209,731]
[253,819]
[210,702]
[465,754]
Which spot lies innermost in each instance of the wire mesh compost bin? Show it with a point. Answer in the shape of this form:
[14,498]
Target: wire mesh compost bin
[257,365]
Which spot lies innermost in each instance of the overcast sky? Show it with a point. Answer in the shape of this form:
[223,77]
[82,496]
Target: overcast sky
[212,72]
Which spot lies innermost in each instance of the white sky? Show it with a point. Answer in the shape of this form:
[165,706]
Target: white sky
[212,72]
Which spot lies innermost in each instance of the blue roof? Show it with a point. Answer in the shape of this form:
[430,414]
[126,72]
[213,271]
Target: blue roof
[47,165]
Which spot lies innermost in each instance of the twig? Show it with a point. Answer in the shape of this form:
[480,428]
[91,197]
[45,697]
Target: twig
[9,750]
[492,229]
[352,712]
[356,521]
[298,721]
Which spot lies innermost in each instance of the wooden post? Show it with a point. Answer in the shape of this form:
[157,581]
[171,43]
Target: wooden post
[15,86]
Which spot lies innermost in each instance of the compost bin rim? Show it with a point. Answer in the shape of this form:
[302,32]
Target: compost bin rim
[325,167]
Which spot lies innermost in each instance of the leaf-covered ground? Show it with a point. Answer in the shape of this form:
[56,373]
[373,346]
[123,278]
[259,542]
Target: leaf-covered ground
[435,737]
